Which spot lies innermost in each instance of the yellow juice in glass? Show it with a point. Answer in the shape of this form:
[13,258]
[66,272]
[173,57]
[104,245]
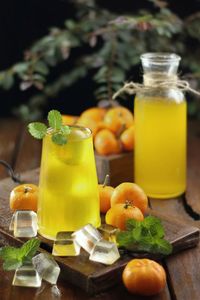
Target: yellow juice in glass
[160,146]
[68,188]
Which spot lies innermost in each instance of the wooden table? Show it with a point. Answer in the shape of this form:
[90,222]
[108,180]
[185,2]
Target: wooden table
[23,152]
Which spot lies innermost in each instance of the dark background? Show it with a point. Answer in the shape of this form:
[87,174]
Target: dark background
[24,21]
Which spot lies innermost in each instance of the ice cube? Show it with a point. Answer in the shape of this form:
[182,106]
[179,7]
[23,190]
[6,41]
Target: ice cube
[47,267]
[55,291]
[65,245]
[108,232]
[87,237]
[11,226]
[25,223]
[27,276]
[105,252]
[79,133]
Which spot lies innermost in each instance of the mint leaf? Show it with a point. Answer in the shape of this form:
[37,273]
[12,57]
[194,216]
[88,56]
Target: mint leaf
[37,130]
[145,236]
[29,249]
[154,225]
[8,252]
[55,119]
[59,139]
[124,238]
[137,233]
[15,257]
[12,264]
[65,129]
[163,246]
[131,224]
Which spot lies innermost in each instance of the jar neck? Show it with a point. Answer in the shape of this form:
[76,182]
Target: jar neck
[151,79]
[160,67]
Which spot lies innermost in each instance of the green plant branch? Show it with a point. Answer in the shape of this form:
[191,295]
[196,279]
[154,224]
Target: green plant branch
[113,46]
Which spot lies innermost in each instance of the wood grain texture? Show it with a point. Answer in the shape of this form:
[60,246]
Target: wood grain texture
[184,274]
[119,167]
[183,268]
[10,131]
[193,173]
[67,290]
[29,152]
[95,277]
[172,207]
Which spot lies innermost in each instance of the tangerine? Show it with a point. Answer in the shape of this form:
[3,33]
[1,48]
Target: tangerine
[118,214]
[69,119]
[118,119]
[127,138]
[94,113]
[130,193]
[24,197]
[106,143]
[105,193]
[144,277]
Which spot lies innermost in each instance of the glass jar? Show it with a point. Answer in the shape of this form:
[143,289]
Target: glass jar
[68,187]
[160,128]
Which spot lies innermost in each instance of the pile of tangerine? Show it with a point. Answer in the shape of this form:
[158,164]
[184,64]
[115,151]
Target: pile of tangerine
[112,129]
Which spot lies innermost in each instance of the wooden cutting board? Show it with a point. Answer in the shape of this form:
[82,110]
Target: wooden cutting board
[90,276]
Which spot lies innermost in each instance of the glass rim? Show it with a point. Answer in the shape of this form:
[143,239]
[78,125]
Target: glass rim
[89,131]
[160,57]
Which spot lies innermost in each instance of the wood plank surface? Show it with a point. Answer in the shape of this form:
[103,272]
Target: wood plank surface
[10,132]
[183,269]
[29,152]
[119,167]
[91,276]
[184,274]
[192,196]
[67,291]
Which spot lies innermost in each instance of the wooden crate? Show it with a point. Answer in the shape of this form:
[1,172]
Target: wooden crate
[119,167]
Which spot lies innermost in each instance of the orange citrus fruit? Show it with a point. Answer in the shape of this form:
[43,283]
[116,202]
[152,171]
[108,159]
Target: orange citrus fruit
[105,193]
[69,119]
[106,143]
[144,277]
[117,119]
[130,193]
[118,214]
[127,138]
[24,197]
[94,113]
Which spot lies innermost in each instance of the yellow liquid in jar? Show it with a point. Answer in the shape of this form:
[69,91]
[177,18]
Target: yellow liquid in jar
[68,188]
[160,146]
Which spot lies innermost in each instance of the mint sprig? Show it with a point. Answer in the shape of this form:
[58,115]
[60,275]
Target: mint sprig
[37,130]
[144,236]
[55,119]
[60,131]
[15,257]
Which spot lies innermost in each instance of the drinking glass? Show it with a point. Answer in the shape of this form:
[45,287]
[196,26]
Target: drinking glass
[68,187]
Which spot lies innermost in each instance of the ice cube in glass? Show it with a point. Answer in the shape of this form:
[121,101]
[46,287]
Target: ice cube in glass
[47,267]
[87,237]
[108,232]
[65,245]
[27,276]
[25,223]
[105,252]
